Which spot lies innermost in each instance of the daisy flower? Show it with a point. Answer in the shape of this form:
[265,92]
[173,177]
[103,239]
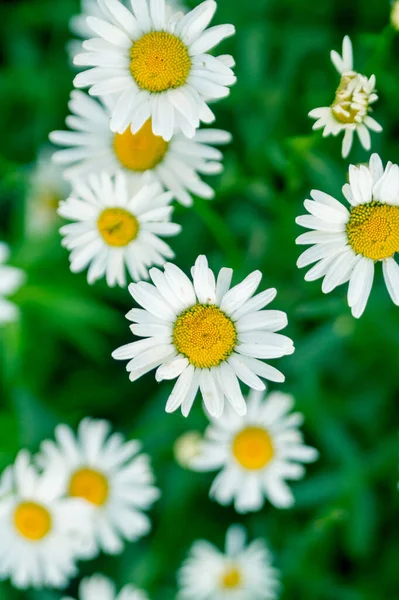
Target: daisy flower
[109,474]
[157,65]
[255,454]
[206,334]
[187,447]
[11,280]
[92,147]
[98,587]
[352,103]
[47,188]
[117,225]
[242,572]
[42,534]
[346,244]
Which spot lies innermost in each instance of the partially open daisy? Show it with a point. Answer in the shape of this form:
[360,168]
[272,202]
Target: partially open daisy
[346,244]
[351,108]
[157,65]
[205,334]
[242,572]
[92,147]
[11,280]
[98,587]
[42,534]
[255,454]
[110,475]
[118,224]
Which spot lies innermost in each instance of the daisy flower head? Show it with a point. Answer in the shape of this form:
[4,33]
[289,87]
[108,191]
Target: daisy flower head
[47,187]
[118,225]
[42,534]
[350,111]
[110,475]
[206,334]
[347,244]
[157,65]
[242,572]
[98,587]
[255,454]
[11,279]
[91,147]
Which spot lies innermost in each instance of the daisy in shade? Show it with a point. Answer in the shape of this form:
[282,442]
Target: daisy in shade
[117,227]
[255,454]
[157,65]
[99,587]
[177,165]
[205,334]
[11,280]
[110,475]
[350,111]
[347,244]
[42,534]
[242,572]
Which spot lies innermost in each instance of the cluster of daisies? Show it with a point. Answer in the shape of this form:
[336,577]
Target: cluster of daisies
[134,144]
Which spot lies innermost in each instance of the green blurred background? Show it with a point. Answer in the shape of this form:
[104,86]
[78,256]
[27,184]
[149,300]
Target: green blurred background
[338,543]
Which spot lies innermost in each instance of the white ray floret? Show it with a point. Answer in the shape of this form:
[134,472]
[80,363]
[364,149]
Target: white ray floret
[347,244]
[206,334]
[110,475]
[350,111]
[118,225]
[99,587]
[42,534]
[91,147]
[242,572]
[255,454]
[11,279]
[157,65]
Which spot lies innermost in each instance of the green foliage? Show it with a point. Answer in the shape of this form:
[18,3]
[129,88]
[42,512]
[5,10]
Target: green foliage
[338,542]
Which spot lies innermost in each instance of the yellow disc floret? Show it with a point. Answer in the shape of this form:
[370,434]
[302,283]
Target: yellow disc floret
[231,578]
[351,102]
[90,485]
[140,151]
[253,448]
[159,62]
[117,226]
[32,521]
[205,335]
[373,230]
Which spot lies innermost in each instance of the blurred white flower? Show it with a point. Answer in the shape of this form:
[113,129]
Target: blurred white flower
[255,454]
[187,447]
[346,244]
[206,334]
[11,279]
[110,475]
[242,572]
[395,15]
[352,104]
[42,534]
[157,65]
[47,188]
[98,587]
[118,224]
[91,147]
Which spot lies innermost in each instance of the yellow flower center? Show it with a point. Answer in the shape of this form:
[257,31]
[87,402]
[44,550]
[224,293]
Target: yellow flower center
[159,61]
[346,108]
[205,335]
[32,521]
[90,485]
[373,230]
[231,578]
[118,226]
[140,151]
[253,448]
